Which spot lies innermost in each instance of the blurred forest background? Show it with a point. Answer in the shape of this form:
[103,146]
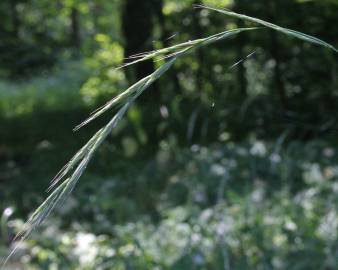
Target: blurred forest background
[216,166]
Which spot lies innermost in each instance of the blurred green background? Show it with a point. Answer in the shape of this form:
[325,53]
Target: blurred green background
[216,166]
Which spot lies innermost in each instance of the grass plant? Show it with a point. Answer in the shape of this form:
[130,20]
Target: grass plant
[65,181]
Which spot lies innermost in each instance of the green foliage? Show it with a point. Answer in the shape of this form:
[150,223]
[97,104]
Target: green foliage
[36,34]
[241,206]
[56,90]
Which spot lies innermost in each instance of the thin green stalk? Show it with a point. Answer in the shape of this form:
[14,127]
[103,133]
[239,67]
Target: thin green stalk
[283,30]
[73,170]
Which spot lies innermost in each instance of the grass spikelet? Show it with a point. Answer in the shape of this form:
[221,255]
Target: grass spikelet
[65,181]
[283,30]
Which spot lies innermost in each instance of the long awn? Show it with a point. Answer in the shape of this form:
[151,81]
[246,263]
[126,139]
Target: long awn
[65,181]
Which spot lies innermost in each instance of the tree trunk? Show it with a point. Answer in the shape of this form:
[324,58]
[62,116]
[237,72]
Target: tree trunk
[241,78]
[75,28]
[275,54]
[14,18]
[137,29]
[197,30]
[165,34]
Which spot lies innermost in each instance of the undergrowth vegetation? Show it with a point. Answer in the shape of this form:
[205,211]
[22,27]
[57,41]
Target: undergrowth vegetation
[230,206]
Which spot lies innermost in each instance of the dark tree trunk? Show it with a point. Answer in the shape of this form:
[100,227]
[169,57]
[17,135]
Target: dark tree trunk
[197,30]
[137,28]
[275,54]
[241,78]
[279,83]
[14,18]
[165,34]
[75,28]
